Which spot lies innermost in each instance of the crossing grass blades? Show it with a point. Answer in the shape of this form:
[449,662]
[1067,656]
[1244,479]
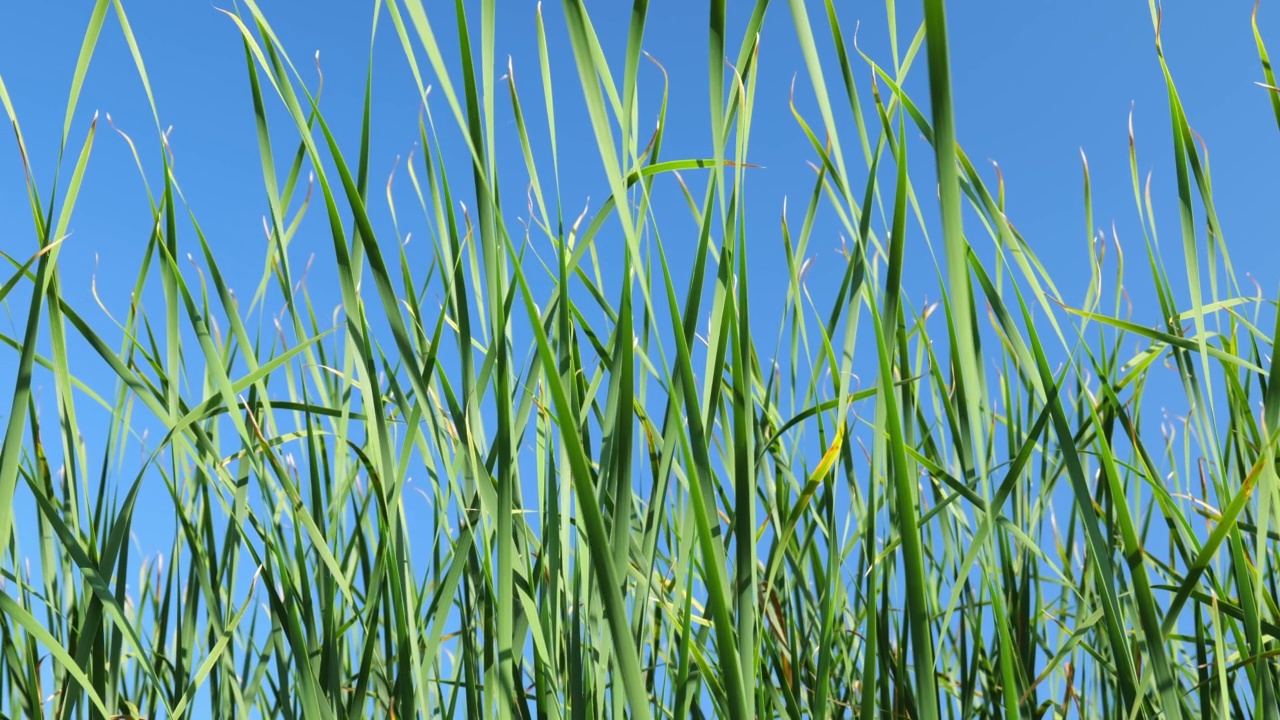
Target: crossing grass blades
[517,482]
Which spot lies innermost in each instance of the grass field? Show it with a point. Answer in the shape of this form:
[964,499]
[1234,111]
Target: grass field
[629,497]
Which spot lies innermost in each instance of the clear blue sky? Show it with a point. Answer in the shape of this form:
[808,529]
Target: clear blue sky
[1036,81]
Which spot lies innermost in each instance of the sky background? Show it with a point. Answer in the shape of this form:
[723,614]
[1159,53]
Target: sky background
[1036,81]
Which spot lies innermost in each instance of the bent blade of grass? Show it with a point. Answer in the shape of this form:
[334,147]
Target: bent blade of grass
[55,647]
[44,290]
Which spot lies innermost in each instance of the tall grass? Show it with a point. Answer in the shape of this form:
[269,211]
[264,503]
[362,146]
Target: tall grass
[636,508]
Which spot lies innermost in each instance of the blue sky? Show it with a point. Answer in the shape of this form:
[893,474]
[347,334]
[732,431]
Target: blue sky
[1035,82]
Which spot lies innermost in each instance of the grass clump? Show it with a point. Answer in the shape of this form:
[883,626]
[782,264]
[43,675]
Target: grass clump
[635,508]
